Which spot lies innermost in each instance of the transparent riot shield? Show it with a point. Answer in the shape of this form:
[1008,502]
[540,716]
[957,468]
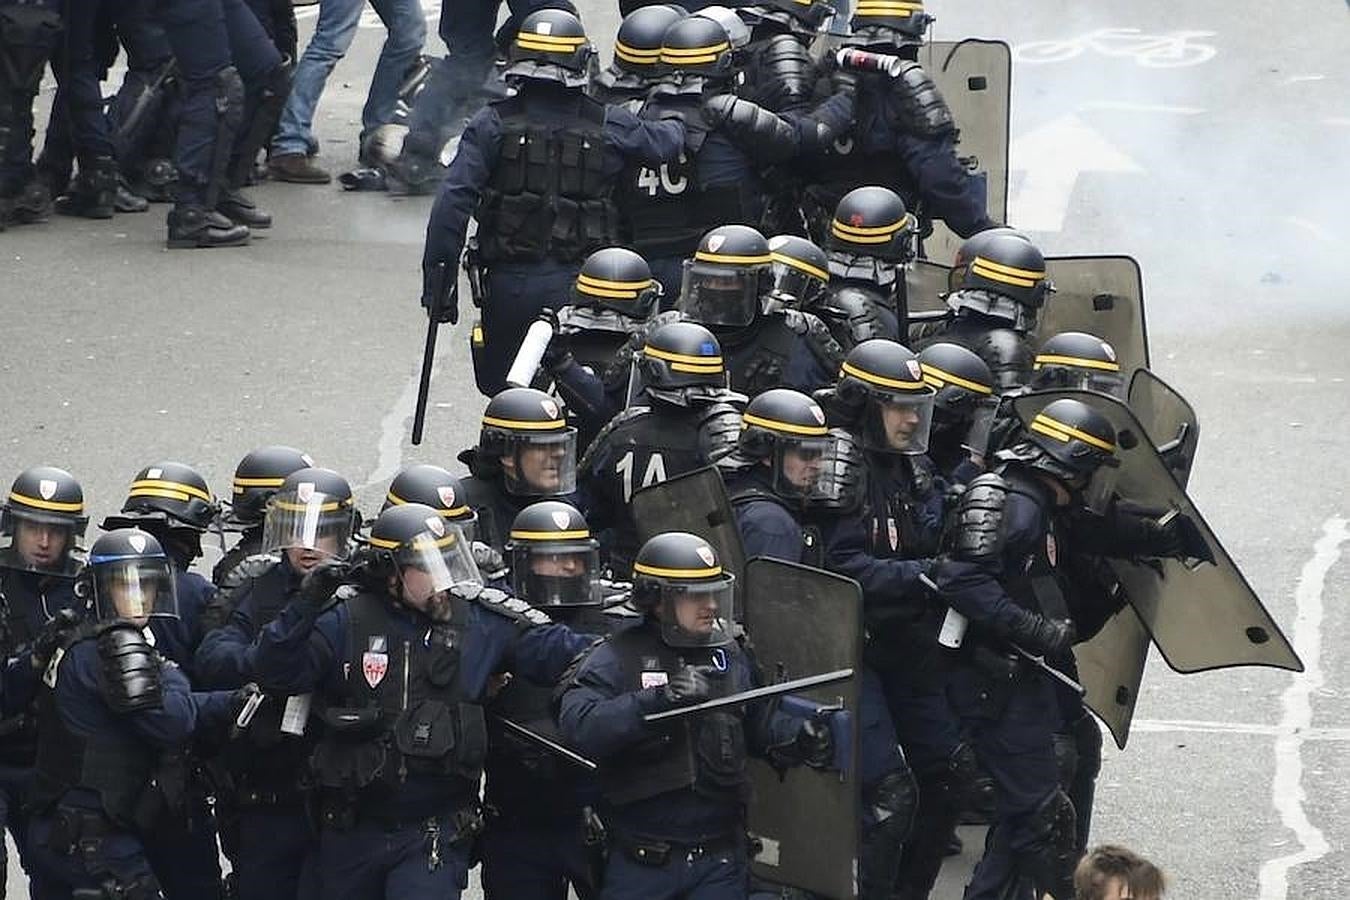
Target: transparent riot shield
[803,621]
[975,78]
[695,502]
[1101,295]
[1168,420]
[1202,616]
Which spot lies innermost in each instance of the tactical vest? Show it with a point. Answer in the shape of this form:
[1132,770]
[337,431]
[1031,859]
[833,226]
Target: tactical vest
[133,782]
[496,508]
[852,313]
[705,753]
[403,710]
[813,545]
[548,195]
[27,602]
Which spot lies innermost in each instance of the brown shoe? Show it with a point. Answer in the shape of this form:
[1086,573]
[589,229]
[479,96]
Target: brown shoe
[297,168]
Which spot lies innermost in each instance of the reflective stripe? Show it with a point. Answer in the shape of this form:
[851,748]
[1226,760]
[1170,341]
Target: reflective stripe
[800,266]
[303,507]
[525,426]
[241,483]
[549,41]
[644,569]
[1005,274]
[1081,362]
[53,505]
[692,54]
[939,378]
[850,369]
[551,535]
[148,485]
[1043,424]
[748,419]
[878,8]
[445,513]
[619,290]
[702,256]
[700,363]
[634,55]
[871,229]
[418,543]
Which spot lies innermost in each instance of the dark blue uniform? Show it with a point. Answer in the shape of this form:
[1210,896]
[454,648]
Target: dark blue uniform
[32,33]
[527,272]
[270,842]
[657,788]
[401,830]
[83,832]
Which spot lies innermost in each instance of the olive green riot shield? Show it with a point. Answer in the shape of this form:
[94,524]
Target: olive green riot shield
[695,502]
[1168,420]
[1103,296]
[803,621]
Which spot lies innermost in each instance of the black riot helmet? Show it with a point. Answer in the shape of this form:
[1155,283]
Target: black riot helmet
[679,581]
[1074,359]
[801,271]
[786,431]
[1074,443]
[554,559]
[41,522]
[804,18]
[637,48]
[170,491]
[970,248]
[965,405]
[434,487]
[1005,266]
[131,577]
[312,511]
[552,46]
[680,362]
[423,554]
[888,23]
[885,381]
[698,45]
[729,275]
[524,431]
[617,278]
[257,477]
[872,221]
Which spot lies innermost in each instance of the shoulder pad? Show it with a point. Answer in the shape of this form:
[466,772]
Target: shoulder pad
[131,669]
[622,417]
[975,531]
[925,111]
[1008,355]
[857,308]
[718,431]
[503,604]
[247,568]
[818,336]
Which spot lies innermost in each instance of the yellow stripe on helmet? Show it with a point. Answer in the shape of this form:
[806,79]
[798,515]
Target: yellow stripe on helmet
[704,256]
[52,505]
[451,513]
[290,506]
[660,572]
[636,56]
[1054,428]
[800,266]
[693,363]
[243,484]
[941,378]
[575,535]
[849,369]
[1081,362]
[748,419]
[1006,274]
[552,425]
[146,488]
[617,290]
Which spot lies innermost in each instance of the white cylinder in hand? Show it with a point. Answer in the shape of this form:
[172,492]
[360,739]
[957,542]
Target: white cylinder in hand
[953,630]
[530,354]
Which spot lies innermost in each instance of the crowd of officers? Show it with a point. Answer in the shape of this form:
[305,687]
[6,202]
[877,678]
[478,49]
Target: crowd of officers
[367,708]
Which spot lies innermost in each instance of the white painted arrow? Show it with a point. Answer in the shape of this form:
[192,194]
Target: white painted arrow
[1050,159]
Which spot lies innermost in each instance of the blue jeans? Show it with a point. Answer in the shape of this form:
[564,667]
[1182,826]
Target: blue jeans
[333,35]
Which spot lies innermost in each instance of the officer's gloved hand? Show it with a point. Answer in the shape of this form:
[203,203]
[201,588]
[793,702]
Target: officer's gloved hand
[842,81]
[557,355]
[52,635]
[1038,634]
[688,686]
[321,582]
[815,743]
[1179,537]
[240,698]
[440,290]
[489,560]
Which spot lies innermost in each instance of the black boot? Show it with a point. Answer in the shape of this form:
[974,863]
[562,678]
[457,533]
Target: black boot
[235,205]
[32,204]
[196,226]
[127,200]
[94,195]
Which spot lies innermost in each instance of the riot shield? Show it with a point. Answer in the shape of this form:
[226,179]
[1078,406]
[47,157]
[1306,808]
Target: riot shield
[1168,420]
[1201,616]
[1102,295]
[1111,668]
[975,78]
[696,502]
[804,621]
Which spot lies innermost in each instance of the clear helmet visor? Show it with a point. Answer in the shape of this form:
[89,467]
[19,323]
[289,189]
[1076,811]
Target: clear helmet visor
[898,424]
[556,574]
[37,543]
[807,468]
[795,288]
[698,614]
[719,295]
[307,520]
[839,484]
[984,412]
[134,589]
[1102,381]
[433,564]
[542,465]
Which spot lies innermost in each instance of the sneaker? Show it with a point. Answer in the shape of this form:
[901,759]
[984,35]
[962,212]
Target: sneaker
[297,169]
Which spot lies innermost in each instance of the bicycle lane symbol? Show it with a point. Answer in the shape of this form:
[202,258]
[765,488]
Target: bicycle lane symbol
[1172,50]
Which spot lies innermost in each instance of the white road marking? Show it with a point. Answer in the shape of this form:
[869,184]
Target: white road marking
[1051,158]
[1300,79]
[1130,106]
[1287,792]
[392,431]
[1311,228]
[1251,729]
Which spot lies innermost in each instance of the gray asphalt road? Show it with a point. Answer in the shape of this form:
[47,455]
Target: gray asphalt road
[1210,144]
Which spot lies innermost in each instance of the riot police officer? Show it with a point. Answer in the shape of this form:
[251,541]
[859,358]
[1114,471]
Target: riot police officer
[526,452]
[727,287]
[636,66]
[994,310]
[29,33]
[435,487]
[800,272]
[1073,359]
[42,521]
[673,796]
[257,477]
[400,666]
[684,418]
[903,131]
[115,718]
[535,170]
[310,518]
[871,240]
[887,544]
[542,832]
[963,410]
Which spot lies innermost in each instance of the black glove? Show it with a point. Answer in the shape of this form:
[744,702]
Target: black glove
[52,635]
[1180,538]
[688,686]
[322,581]
[1037,634]
[239,699]
[488,559]
[718,107]
[843,81]
[815,743]
[440,291]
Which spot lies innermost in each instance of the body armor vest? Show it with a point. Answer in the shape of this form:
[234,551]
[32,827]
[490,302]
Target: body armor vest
[705,753]
[27,601]
[548,196]
[813,545]
[403,710]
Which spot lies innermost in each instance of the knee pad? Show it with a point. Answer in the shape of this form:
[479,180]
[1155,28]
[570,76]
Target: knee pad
[1054,847]
[229,97]
[893,801]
